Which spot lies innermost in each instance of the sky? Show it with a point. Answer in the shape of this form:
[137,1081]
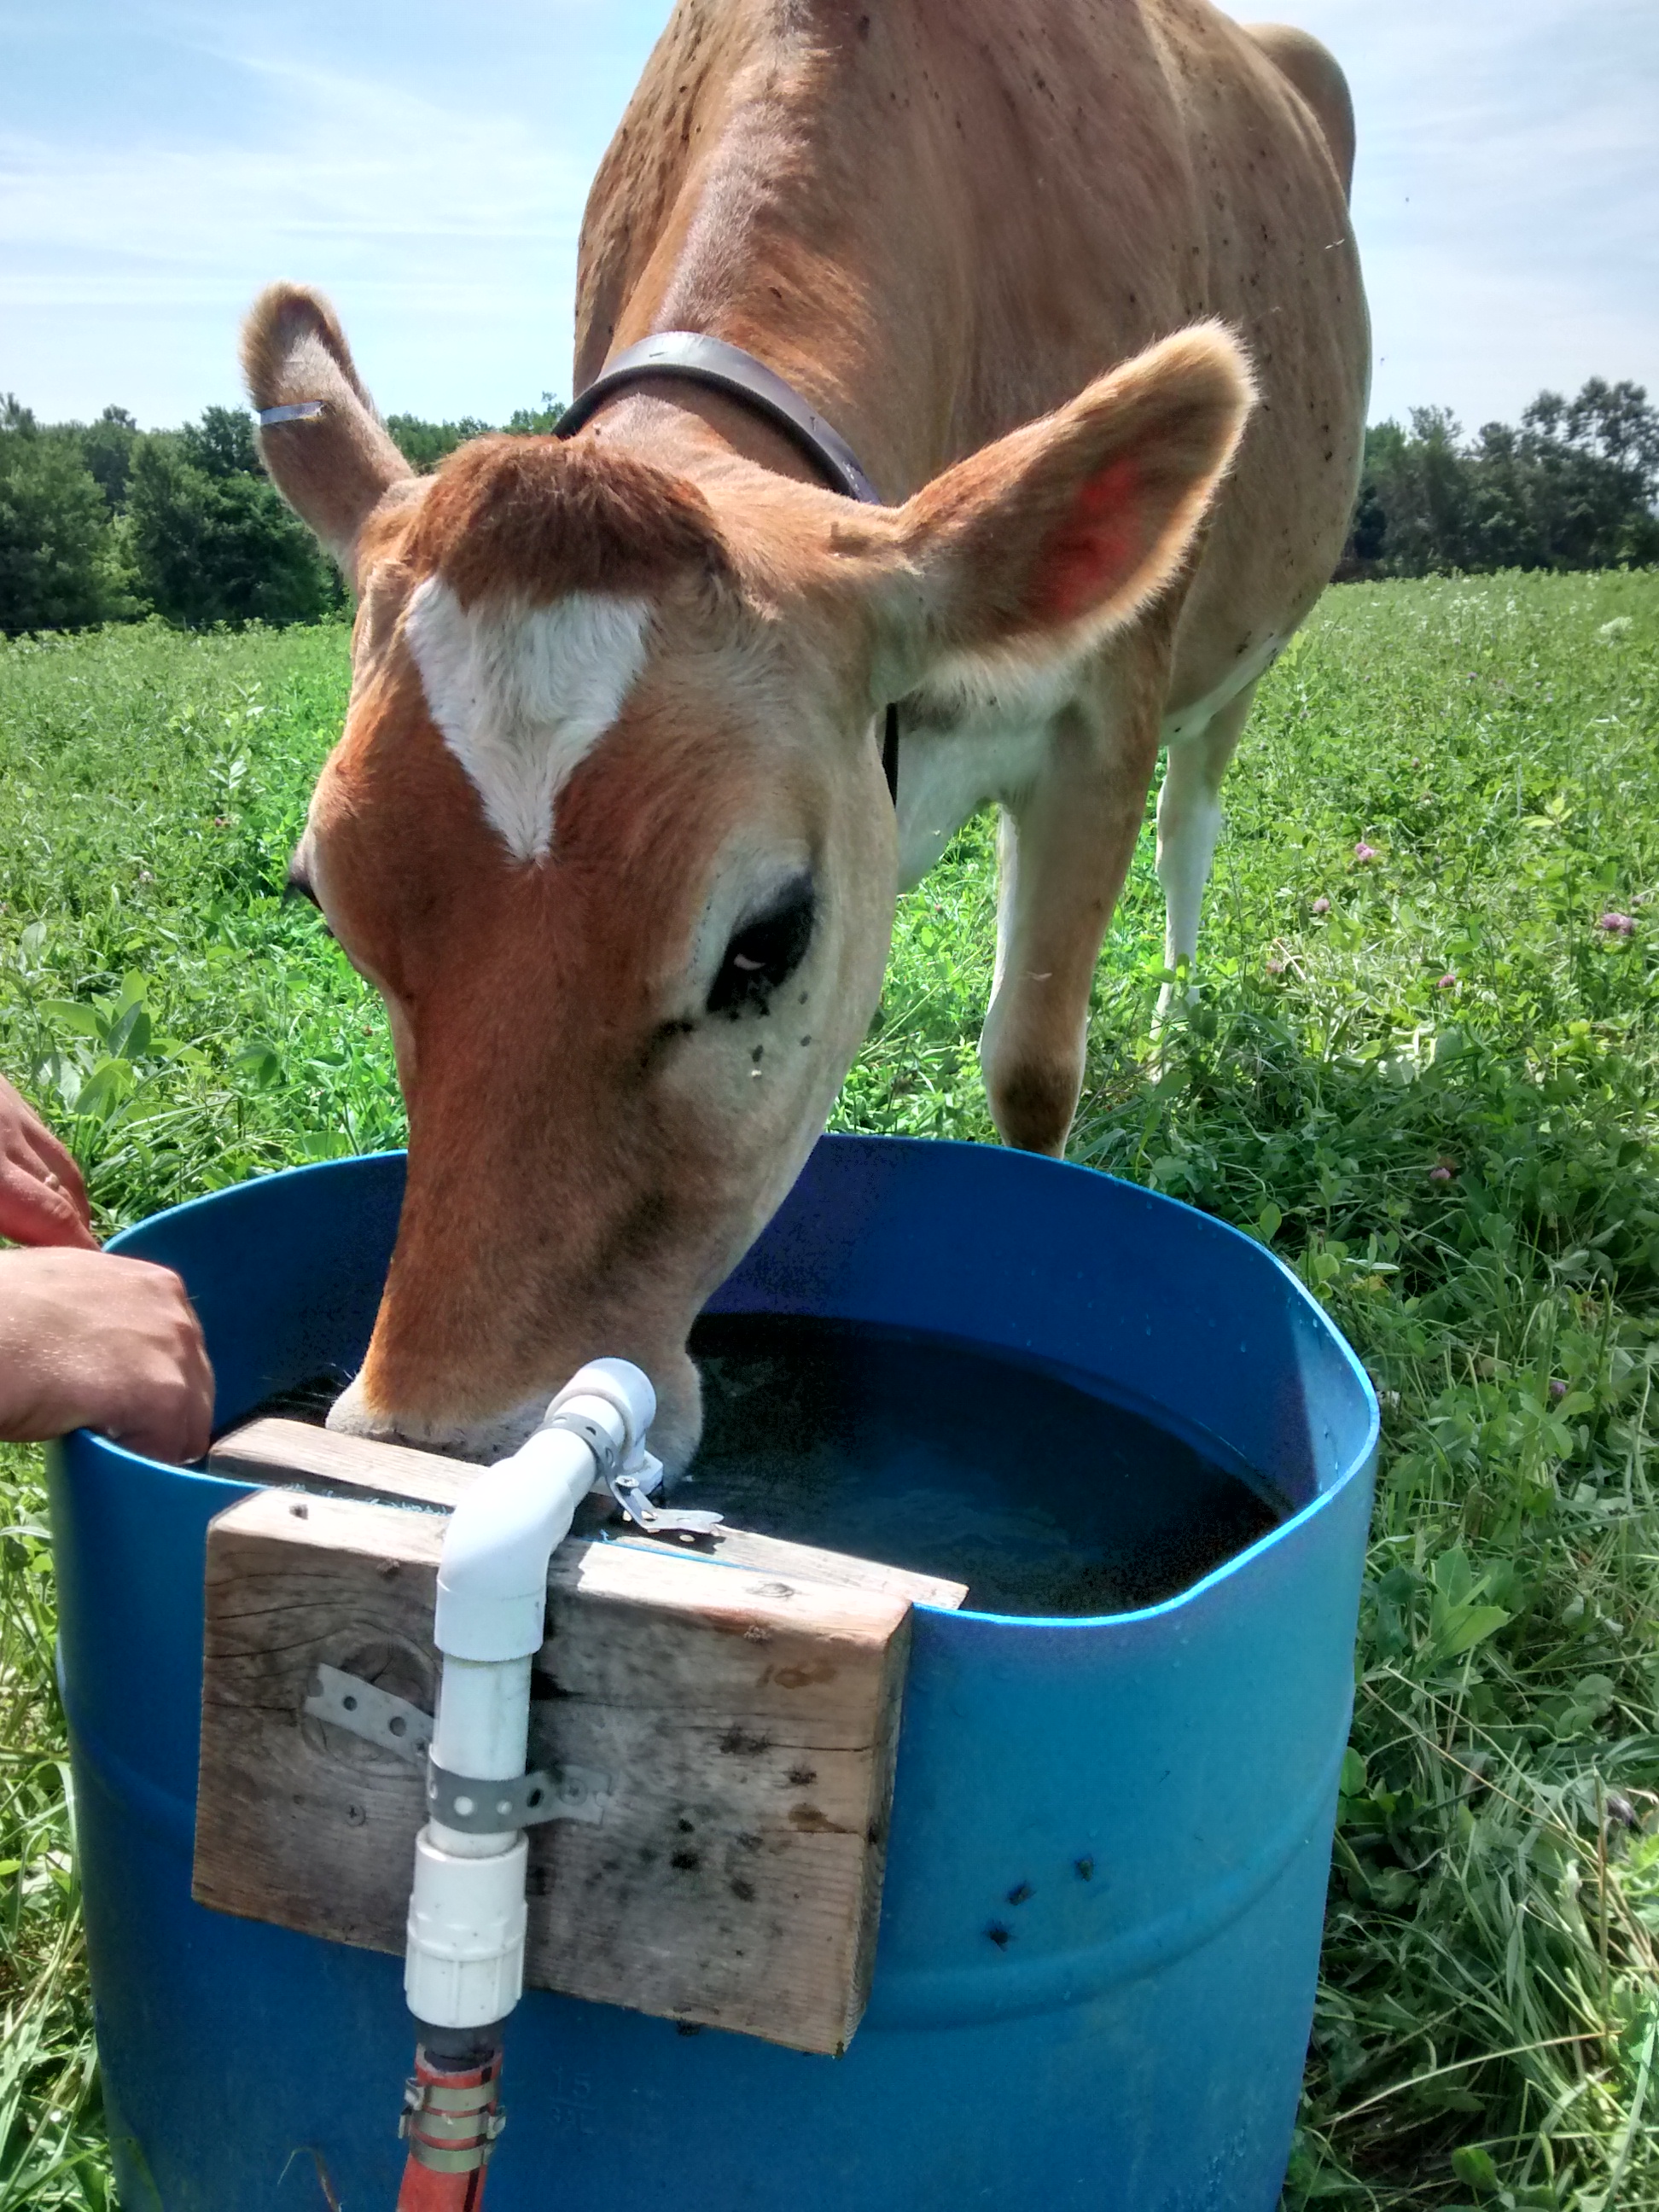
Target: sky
[425,163]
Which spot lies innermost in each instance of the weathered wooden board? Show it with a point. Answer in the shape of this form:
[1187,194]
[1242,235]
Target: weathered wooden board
[288,1451]
[297,1451]
[748,1722]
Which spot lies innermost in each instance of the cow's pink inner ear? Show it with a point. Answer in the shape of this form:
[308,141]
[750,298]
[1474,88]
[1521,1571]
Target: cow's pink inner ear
[1097,547]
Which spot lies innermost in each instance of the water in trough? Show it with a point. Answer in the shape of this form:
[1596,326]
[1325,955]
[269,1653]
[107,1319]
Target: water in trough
[1042,1496]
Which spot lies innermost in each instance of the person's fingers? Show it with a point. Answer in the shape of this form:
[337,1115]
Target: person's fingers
[90,1339]
[59,1165]
[169,1414]
[38,1207]
[27,1146]
[196,1371]
[174,1423]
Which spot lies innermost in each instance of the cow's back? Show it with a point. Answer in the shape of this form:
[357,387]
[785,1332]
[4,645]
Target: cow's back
[943,217]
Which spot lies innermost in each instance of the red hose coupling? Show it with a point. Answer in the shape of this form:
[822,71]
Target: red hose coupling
[450,2122]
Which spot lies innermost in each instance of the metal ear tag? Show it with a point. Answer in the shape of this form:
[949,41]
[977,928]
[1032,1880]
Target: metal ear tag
[298,410]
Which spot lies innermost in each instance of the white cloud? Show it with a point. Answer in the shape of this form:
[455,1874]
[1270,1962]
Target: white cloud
[1507,193]
[441,216]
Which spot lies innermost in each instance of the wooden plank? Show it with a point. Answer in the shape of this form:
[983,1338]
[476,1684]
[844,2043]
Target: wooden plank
[775,1555]
[297,1451]
[748,1724]
[290,1451]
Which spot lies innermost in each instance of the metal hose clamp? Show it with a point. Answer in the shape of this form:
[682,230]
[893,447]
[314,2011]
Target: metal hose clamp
[450,2130]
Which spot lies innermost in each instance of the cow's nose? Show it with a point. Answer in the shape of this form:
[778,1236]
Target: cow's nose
[677,1428]
[485,1440]
[674,1439]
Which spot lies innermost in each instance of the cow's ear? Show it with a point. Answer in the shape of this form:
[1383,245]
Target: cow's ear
[1037,546]
[327,450]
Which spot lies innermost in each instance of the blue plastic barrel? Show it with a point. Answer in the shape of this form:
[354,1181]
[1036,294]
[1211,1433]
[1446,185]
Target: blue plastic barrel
[1110,1837]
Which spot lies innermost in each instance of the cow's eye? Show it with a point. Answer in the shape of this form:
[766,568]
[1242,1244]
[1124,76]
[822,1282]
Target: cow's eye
[765,951]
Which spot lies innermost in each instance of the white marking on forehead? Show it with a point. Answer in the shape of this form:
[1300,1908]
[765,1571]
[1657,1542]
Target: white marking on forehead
[521,694]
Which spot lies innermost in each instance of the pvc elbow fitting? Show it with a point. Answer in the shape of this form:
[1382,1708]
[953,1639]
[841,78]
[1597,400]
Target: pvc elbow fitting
[492,1580]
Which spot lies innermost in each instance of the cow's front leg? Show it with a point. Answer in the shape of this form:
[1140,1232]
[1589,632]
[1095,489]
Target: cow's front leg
[1064,850]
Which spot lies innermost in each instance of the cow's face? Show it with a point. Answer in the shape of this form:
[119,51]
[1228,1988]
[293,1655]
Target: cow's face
[621,862]
[607,826]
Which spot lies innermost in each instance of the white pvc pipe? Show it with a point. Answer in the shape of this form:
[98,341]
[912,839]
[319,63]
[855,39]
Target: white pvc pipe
[481,1728]
[463,1967]
[492,1580]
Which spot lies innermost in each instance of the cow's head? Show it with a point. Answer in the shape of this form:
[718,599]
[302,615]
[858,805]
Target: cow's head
[607,827]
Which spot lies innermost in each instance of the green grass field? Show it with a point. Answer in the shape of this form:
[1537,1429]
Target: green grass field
[1426,1078]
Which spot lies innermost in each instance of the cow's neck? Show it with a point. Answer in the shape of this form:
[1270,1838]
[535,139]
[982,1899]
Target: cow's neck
[689,427]
[784,237]
[834,243]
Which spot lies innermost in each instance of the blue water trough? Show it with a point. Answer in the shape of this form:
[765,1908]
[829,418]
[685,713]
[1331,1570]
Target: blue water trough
[1110,1836]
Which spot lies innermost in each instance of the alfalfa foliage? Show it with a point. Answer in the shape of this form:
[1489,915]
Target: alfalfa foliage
[1421,1065]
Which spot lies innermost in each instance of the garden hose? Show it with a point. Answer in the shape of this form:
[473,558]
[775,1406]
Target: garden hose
[451,2117]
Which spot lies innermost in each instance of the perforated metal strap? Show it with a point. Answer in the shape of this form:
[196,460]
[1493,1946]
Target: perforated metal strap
[478,1806]
[473,1803]
[390,1723]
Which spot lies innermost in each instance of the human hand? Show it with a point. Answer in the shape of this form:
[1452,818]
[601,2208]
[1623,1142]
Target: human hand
[43,1200]
[89,1340]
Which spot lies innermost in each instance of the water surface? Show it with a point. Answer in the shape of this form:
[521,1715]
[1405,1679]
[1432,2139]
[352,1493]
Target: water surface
[1041,1497]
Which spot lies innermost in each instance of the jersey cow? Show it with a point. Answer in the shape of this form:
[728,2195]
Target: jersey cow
[608,825]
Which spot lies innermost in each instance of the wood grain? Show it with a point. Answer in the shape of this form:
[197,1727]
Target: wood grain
[297,1451]
[288,1451]
[748,1722]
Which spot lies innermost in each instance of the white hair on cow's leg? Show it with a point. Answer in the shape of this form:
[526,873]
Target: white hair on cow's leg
[520,695]
[1188,825]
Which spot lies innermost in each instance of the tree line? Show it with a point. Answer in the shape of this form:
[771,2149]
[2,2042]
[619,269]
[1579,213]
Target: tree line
[104,522]
[1573,486]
